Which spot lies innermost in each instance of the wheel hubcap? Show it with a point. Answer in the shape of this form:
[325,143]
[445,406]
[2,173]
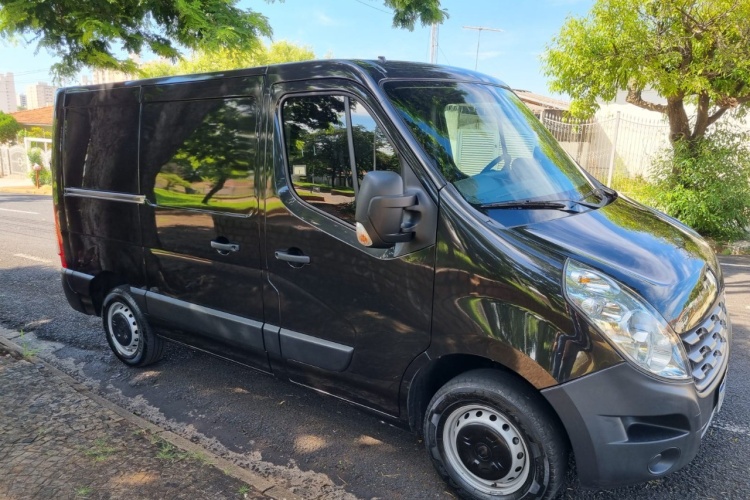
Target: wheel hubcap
[483,452]
[486,449]
[123,330]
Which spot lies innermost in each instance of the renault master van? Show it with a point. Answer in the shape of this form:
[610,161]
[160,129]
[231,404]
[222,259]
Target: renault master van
[405,237]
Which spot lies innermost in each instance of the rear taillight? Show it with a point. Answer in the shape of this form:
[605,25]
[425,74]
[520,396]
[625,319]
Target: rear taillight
[60,249]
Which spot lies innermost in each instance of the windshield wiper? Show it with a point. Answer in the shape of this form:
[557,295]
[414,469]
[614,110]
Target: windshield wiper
[563,205]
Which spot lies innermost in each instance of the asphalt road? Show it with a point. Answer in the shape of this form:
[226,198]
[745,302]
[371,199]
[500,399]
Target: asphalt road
[320,446]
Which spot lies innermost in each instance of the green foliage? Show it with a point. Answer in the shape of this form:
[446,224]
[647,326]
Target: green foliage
[100,450]
[36,132]
[706,184]
[637,188]
[9,127]
[91,33]
[689,51]
[45,177]
[408,12]
[35,156]
[224,59]
[171,181]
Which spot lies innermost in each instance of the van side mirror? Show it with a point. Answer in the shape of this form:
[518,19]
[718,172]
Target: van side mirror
[380,210]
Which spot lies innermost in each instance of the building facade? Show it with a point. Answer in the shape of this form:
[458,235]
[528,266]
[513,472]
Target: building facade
[40,95]
[7,93]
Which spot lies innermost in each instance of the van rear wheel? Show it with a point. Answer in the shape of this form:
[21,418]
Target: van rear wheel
[128,333]
[492,438]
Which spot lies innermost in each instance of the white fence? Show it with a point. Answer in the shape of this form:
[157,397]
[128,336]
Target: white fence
[14,160]
[611,145]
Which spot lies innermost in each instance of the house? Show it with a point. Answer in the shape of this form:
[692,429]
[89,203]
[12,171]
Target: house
[39,117]
[540,104]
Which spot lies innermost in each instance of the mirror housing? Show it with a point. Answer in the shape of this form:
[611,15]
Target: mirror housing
[380,210]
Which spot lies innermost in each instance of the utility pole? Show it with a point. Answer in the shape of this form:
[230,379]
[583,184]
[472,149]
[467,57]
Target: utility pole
[434,43]
[479,36]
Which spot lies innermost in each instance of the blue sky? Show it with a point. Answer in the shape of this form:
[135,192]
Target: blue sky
[363,29]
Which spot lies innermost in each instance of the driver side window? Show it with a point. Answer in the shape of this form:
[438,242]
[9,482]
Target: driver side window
[332,141]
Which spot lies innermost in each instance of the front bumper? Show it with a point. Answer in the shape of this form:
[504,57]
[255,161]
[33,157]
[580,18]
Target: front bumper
[626,427]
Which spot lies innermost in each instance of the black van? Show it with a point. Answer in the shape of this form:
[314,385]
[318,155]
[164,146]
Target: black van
[405,237]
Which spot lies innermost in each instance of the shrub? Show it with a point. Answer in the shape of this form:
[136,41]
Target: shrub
[35,158]
[706,183]
[637,188]
[45,176]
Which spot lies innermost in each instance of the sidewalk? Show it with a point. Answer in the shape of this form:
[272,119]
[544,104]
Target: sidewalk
[58,440]
[21,185]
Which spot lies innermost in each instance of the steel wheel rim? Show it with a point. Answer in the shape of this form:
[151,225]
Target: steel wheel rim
[486,425]
[123,330]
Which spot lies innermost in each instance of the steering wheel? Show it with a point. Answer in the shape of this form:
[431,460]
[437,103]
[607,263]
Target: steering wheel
[504,157]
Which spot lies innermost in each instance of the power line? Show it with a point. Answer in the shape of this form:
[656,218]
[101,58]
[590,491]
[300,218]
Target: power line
[444,56]
[373,7]
[31,72]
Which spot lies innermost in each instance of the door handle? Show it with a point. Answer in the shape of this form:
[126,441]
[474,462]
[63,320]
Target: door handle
[224,247]
[293,258]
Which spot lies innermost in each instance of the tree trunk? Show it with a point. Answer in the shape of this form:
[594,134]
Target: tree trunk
[679,125]
[215,189]
[679,128]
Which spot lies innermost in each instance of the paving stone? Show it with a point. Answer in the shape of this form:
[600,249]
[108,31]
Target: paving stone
[57,443]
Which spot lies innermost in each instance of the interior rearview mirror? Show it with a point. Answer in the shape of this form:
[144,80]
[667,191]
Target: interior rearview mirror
[380,210]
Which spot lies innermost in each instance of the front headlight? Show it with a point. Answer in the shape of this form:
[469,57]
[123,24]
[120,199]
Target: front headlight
[631,325]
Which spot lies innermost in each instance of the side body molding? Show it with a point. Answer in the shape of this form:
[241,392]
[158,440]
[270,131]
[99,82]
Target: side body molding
[314,351]
[236,331]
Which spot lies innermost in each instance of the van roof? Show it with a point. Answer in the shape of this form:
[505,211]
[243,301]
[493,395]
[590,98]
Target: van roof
[356,69]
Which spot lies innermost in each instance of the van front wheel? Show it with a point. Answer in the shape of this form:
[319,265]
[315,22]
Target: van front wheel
[128,332]
[490,437]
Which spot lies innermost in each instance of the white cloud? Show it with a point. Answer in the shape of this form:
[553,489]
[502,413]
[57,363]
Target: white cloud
[325,20]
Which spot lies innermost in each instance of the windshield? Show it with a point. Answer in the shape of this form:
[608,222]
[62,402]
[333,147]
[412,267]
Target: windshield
[487,143]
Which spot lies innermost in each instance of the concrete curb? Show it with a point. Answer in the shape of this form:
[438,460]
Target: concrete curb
[258,482]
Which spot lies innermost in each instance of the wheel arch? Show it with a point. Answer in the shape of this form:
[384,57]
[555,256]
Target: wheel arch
[101,285]
[434,373]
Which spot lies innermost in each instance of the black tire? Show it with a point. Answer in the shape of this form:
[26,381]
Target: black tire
[491,437]
[127,331]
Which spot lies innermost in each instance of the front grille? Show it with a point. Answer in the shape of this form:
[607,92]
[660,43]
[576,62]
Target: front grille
[707,346]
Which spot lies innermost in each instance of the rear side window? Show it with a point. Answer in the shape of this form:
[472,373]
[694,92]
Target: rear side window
[100,133]
[332,141]
[200,154]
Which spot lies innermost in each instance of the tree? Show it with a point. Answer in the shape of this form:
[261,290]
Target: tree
[89,34]
[223,59]
[692,52]
[220,148]
[407,12]
[9,127]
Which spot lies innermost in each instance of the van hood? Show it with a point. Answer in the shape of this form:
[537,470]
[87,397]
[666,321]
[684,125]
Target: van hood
[662,260]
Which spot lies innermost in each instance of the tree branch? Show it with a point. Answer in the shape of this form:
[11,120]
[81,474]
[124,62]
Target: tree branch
[701,118]
[712,119]
[634,97]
